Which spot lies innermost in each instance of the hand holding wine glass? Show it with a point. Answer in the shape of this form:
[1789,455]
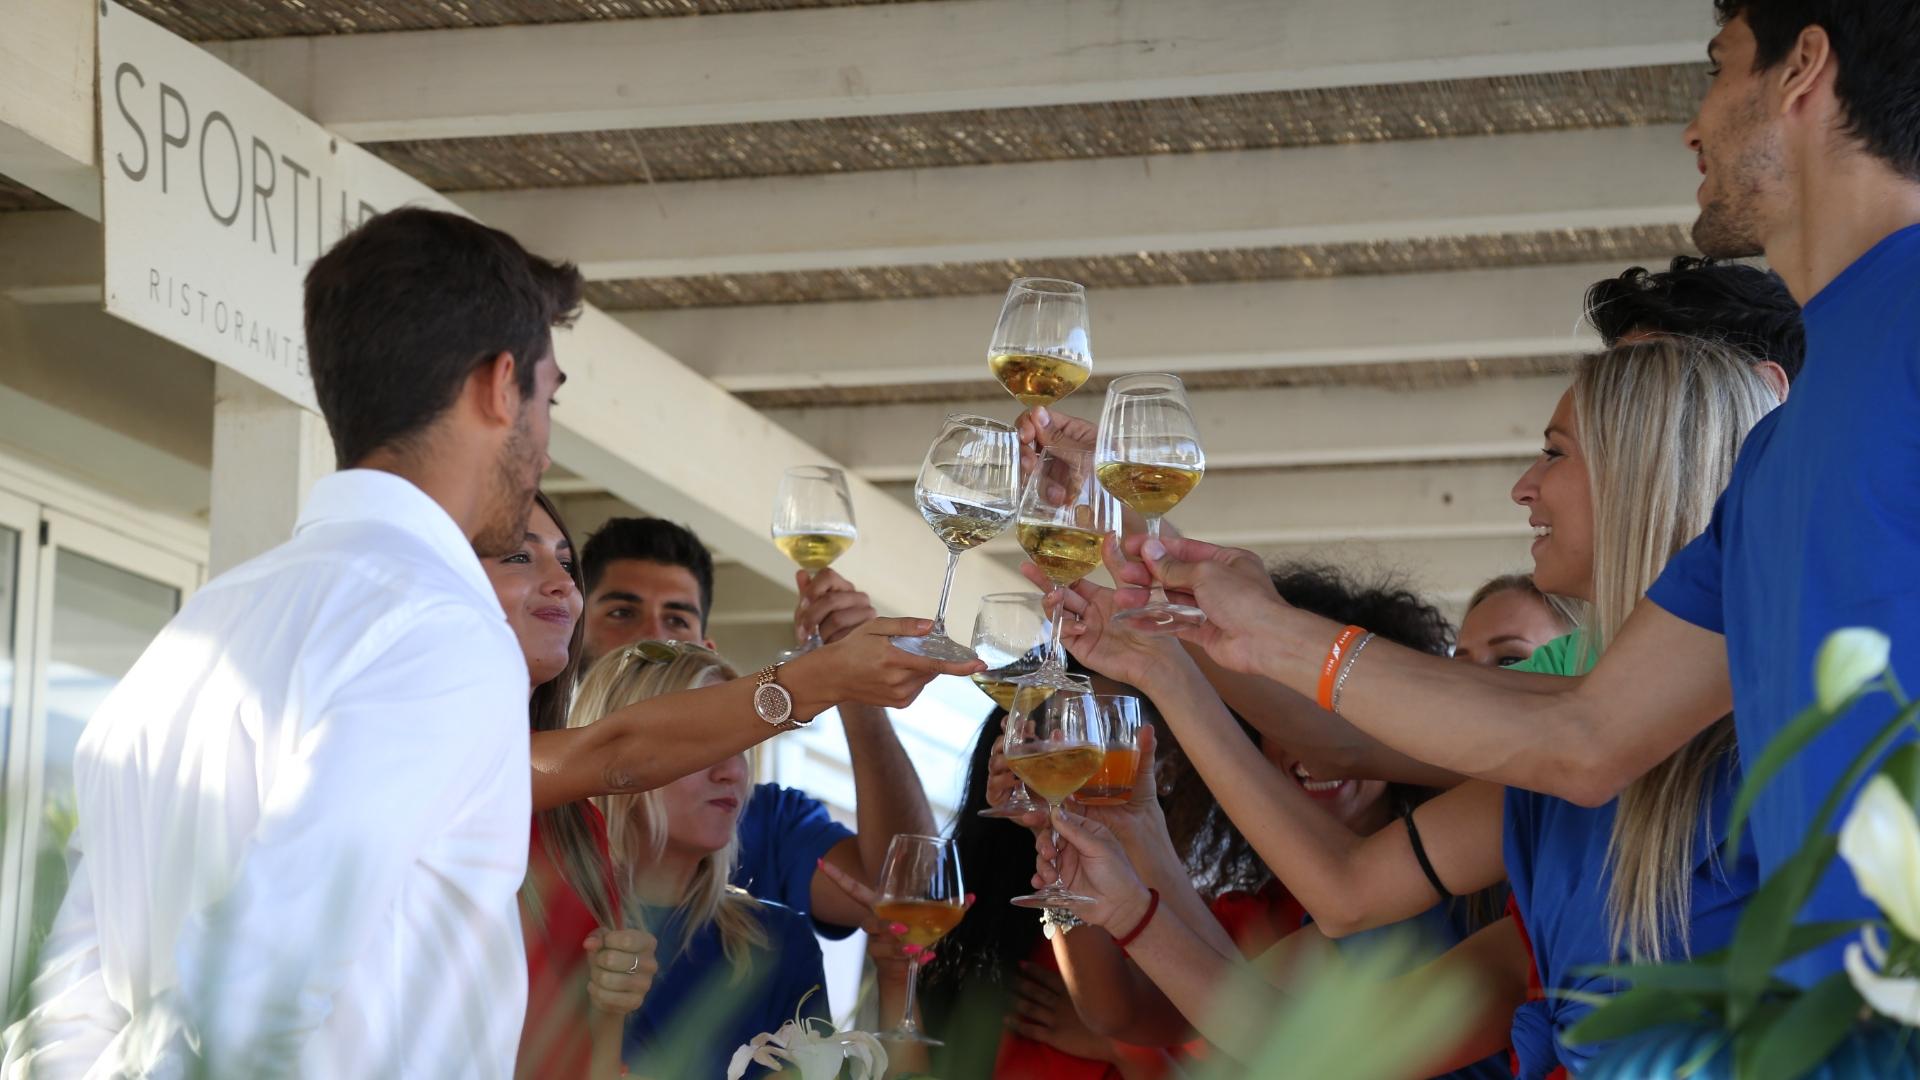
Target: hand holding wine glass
[966,492]
[812,525]
[1149,457]
[1065,519]
[1040,351]
[1231,584]
[1086,855]
[920,889]
[1055,750]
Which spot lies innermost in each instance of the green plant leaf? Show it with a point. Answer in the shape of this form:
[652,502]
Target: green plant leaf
[1862,764]
[1759,941]
[1816,1023]
[1697,978]
[1802,938]
[1785,746]
[1635,1010]
[1903,768]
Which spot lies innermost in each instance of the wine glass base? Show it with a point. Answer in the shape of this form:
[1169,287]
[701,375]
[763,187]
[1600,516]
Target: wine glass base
[1160,617]
[1053,896]
[1059,679]
[919,1037]
[937,646]
[1013,810]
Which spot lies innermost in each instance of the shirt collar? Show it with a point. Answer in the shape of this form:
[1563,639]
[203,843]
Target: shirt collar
[374,495]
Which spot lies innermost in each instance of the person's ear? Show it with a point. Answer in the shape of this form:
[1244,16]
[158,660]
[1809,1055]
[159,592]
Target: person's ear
[495,387]
[1774,376]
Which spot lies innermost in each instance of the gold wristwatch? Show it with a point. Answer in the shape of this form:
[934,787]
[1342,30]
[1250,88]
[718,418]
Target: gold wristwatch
[772,702]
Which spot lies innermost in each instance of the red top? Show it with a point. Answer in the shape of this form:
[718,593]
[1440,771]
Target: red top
[555,1041]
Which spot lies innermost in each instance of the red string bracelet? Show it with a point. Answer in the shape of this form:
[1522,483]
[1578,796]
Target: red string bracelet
[1331,666]
[1153,905]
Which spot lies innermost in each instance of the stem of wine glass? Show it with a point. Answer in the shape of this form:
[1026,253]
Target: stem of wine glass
[1059,873]
[1159,595]
[1056,653]
[913,979]
[946,587]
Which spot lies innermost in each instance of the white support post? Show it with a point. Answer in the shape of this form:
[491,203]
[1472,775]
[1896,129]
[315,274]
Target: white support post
[267,453]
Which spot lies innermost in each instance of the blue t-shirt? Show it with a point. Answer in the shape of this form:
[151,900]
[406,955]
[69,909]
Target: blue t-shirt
[695,1016]
[784,834]
[1819,530]
[1556,857]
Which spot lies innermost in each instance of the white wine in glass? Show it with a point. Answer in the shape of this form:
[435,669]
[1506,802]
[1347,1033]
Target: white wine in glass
[966,493]
[1065,515]
[1055,751]
[812,525]
[1039,350]
[1010,634]
[1148,455]
[921,888]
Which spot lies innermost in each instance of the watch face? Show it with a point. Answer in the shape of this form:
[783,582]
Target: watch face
[773,703]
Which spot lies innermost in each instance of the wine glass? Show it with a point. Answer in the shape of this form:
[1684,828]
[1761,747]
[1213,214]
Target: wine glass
[812,525]
[1056,749]
[1065,514]
[966,492]
[1039,351]
[920,887]
[1010,633]
[1117,723]
[1148,455]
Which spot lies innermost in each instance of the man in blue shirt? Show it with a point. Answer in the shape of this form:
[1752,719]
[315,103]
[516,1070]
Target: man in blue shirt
[1809,144]
[649,579]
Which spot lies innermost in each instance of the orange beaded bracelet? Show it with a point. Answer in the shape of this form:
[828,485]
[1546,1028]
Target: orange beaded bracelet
[1331,667]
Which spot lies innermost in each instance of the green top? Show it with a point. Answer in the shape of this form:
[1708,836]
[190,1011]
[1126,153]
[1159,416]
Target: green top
[1561,656]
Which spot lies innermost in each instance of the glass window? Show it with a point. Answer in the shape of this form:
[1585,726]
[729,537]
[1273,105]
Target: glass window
[103,619]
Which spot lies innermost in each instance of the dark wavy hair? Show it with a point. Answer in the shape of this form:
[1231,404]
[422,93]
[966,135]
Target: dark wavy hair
[1745,308]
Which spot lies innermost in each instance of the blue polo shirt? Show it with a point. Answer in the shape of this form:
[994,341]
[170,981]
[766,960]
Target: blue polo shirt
[1819,530]
[784,833]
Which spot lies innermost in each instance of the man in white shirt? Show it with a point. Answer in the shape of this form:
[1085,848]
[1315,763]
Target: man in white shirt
[303,813]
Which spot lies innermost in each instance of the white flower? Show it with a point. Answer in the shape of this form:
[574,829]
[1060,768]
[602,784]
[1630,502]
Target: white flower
[1881,842]
[818,1056]
[1898,999]
[1848,660]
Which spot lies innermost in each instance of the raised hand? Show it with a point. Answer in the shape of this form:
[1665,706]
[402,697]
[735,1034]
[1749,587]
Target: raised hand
[1043,1011]
[1093,863]
[830,605]
[1230,584]
[863,666]
[1093,638]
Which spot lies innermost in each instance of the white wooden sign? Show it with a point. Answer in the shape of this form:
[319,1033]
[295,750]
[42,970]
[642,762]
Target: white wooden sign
[216,198]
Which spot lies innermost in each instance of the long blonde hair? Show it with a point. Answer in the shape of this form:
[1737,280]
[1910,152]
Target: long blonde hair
[1660,424]
[637,823]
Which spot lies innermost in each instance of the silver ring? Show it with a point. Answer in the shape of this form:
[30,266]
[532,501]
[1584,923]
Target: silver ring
[636,965]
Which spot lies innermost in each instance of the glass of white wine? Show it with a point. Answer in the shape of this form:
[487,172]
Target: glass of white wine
[1065,513]
[920,888]
[1039,351]
[1056,749]
[966,491]
[812,525]
[1010,635]
[1148,455]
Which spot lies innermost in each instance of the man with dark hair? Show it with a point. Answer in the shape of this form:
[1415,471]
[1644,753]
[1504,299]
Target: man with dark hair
[303,813]
[652,579]
[1743,307]
[1809,143]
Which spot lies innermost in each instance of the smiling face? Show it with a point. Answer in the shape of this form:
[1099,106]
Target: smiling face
[702,809]
[1558,496]
[1506,628]
[535,585]
[1739,146]
[1360,805]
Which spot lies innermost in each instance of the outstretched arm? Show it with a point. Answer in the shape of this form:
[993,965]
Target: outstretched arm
[1661,681]
[654,742]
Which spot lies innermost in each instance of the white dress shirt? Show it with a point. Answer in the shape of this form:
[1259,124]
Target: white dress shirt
[303,821]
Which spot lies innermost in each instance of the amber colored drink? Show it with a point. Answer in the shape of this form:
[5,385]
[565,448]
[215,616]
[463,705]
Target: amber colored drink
[1063,553]
[927,921]
[1005,691]
[813,551]
[1151,489]
[1113,784]
[1056,773]
[1038,379]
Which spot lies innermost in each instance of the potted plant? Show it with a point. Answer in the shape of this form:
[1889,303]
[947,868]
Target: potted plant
[1726,1015]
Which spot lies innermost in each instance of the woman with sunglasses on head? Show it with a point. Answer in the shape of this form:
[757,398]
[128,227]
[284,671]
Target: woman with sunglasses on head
[1637,452]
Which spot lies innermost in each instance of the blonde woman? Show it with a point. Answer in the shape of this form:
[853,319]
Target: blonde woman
[730,966]
[1636,453]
